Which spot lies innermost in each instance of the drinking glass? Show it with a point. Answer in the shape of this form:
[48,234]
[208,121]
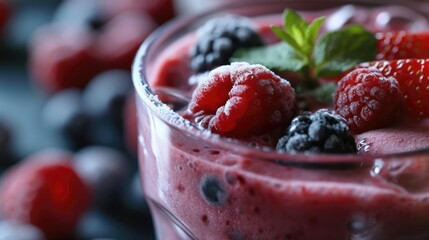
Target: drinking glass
[203,186]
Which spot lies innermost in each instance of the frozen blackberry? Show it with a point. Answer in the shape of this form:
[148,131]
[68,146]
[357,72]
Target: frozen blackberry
[320,132]
[217,40]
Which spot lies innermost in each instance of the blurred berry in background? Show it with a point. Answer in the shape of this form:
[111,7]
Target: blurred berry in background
[68,134]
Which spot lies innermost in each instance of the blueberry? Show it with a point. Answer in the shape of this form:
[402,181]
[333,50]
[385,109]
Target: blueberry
[212,190]
[19,231]
[64,113]
[219,38]
[104,169]
[320,132]
[105,95]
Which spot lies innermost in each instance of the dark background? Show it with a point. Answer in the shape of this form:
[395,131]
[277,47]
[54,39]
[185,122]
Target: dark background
[126,215]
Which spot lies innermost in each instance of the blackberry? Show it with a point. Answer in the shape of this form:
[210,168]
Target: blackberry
[320,132]
[217,40]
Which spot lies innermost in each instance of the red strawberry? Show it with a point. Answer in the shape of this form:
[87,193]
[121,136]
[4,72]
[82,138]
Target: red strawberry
[367,99]
[402,45]
[413,78]
[398,45]
[242,99]
[45,191]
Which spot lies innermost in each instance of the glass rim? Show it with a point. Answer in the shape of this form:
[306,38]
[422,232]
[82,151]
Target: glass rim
[145,93]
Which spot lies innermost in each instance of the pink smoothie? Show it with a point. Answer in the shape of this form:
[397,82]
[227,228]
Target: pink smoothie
[204,187]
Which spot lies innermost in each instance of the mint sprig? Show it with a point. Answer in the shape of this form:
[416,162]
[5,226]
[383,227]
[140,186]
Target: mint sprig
[305,51]
[298,34]
[339,51]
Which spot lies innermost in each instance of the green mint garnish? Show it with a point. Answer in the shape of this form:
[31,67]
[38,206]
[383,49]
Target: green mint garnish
[339,51]
[277,57]
[304,51]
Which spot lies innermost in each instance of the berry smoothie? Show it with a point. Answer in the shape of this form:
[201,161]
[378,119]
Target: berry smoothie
[209,177]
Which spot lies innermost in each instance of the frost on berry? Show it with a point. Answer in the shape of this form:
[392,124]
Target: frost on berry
[367,99]
[242,100]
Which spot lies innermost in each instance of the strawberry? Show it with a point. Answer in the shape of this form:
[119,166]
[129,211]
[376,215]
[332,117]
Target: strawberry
[242,99]
[402,45]
[413,78]
[45,191]
[367,99]
[397,45]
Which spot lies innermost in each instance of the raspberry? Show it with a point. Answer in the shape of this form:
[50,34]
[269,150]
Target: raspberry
[219,38]
[320,132]
[45,191]
[367,99]
[411,75]
[160,10]
[62,58]
[242,100]
[118,41]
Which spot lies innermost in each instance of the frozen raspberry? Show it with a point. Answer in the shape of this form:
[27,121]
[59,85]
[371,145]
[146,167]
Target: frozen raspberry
[367,99]
[45,191]
[219,38]
[242,100]
[320,132]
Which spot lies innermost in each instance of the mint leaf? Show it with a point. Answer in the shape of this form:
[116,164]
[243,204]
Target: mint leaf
[295,26]
[341,50]
[280,57]
[287,38]
[312,32]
